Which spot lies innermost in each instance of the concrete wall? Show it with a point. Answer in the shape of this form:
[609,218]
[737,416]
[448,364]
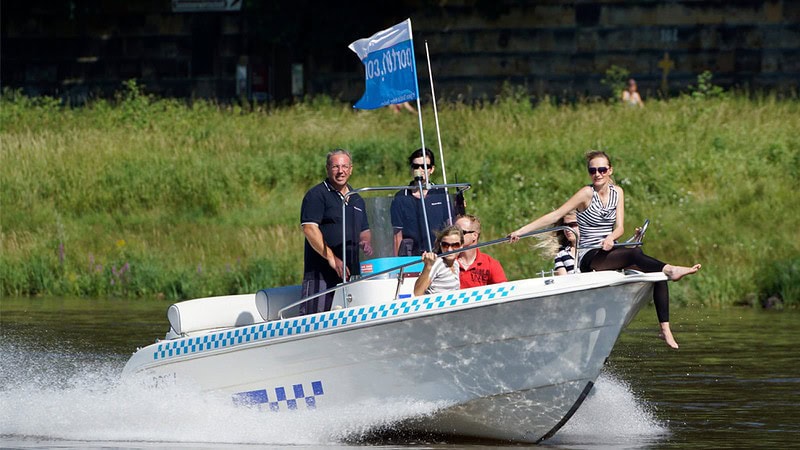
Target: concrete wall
[552,47]
[566,46]
[81,49]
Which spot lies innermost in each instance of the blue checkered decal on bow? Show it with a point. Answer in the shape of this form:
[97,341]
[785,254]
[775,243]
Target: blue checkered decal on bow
[277,398]
[325,321]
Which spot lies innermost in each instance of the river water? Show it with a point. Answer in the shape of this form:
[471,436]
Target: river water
[734,383]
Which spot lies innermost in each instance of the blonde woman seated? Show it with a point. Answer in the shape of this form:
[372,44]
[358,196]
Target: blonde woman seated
[562,245]
[440,274]
[564,261]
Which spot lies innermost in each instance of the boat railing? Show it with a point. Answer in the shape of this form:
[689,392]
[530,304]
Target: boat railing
[400,267]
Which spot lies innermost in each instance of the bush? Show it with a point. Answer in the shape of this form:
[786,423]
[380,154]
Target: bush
[616,78]
[779,283]
[705,88]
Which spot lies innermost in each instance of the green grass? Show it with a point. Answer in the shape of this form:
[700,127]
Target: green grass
[146,197]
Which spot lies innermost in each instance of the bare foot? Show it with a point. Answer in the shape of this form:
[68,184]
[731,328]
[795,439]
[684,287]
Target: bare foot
[666,335]
[675,273]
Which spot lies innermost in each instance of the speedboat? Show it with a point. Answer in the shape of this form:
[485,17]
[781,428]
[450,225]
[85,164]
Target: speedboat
[509,362]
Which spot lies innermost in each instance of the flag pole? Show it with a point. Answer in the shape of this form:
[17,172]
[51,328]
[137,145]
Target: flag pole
[439,136]
[419,107]
[422,142]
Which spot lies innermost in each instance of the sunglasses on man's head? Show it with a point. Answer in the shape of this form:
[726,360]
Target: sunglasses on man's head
[594,170]
[419,166]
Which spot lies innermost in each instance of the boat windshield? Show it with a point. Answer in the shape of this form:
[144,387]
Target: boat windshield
[379,206]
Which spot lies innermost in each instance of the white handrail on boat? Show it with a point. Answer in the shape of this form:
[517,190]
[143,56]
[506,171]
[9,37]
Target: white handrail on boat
[479,245]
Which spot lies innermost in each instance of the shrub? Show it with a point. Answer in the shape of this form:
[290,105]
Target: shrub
[615,78]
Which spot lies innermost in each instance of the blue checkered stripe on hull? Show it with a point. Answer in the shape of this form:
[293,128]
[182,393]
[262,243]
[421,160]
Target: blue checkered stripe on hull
[291,400]
[326,321]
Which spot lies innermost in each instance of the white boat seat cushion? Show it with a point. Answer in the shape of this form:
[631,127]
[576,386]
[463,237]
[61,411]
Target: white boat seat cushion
[213,312]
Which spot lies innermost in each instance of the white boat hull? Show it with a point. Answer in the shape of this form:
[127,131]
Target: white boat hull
[510,361]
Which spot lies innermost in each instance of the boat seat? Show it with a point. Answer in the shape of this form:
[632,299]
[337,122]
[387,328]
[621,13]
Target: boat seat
[213,312]
[270,301]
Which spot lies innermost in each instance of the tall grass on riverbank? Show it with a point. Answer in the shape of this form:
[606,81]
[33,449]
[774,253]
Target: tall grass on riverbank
[146,197]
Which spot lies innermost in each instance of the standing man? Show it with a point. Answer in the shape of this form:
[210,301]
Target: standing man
[408,222]
[477,268]
[321,219]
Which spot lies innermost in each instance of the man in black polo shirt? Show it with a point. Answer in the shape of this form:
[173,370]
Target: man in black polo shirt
[321,219]
[408,222]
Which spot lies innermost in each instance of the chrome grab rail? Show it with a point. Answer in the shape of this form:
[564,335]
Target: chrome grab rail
[459,250]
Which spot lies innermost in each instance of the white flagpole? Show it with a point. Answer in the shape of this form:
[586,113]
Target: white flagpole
[422,141]
[419,108]
[438,135]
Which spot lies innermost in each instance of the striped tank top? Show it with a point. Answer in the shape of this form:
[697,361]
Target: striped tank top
[597,221]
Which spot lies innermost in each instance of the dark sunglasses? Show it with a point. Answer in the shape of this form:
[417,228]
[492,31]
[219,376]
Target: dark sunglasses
[571,224]
[449,245]
[594,170]
[419,166]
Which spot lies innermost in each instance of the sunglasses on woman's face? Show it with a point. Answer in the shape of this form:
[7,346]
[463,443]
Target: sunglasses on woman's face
[594,170]
[445,245]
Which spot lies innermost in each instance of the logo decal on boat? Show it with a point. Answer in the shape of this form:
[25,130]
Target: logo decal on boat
[326,321]
[297,395]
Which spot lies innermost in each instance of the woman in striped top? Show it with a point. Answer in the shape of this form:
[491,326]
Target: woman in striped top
[601,214]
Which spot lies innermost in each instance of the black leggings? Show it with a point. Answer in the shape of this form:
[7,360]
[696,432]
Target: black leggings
[625,258]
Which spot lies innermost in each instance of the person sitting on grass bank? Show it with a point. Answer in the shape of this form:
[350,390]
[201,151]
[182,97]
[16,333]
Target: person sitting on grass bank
[397,107]
[630,95]
[601,214]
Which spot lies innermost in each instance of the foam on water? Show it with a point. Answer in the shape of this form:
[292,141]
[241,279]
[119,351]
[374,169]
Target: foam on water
[53,396]
[63,397]
[611,416]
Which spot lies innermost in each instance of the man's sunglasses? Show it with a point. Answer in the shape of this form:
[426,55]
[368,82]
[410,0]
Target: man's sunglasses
[419,166]
[594,170]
